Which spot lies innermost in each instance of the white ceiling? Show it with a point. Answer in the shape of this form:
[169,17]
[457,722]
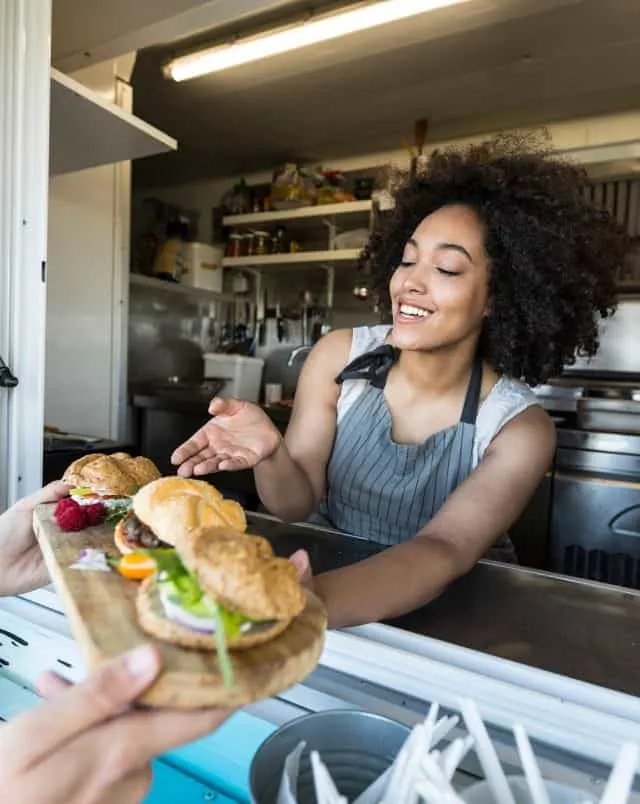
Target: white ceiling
[483,65]
[89,31]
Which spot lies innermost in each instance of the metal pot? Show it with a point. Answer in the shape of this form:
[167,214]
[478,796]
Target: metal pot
[357,747]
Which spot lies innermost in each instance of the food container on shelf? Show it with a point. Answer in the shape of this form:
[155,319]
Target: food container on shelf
[242,375]
[356,747]
[202,265]
[236,245]
[260,243]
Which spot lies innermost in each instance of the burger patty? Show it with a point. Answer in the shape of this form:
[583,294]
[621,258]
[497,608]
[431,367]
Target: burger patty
[139,534]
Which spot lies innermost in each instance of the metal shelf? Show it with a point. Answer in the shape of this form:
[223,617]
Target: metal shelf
[360,209]
[177,289]
[346,255]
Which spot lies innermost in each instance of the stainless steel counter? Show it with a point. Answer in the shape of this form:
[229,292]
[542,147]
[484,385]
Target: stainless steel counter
[584,630]
[587,631]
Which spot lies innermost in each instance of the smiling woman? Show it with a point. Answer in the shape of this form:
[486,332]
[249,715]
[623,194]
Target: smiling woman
[422,434]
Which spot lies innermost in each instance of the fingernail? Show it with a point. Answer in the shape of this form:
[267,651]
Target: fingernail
[142,661]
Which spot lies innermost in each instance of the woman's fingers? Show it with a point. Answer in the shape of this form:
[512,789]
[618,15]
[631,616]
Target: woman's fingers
[190,449]
[51,684]
[234,463]
[225,407]
[107,692]
[206,465]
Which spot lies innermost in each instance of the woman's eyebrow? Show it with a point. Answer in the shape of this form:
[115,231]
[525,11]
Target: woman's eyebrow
[455,247]
[444,246]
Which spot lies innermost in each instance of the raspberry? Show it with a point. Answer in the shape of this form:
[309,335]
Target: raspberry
[69,515]
[94,514]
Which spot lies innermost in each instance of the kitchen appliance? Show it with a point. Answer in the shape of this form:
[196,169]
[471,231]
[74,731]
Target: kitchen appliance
[614,408]
[242,375]
[202,266]
[595,517]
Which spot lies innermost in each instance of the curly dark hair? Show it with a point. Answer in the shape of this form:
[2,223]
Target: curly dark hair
[554,255]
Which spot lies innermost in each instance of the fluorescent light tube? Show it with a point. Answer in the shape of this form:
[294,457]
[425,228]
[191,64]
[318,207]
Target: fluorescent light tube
[320,29]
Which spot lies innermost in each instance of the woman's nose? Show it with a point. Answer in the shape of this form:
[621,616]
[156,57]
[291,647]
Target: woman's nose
[415,280]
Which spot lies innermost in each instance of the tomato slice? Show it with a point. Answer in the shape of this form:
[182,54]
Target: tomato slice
[136,566]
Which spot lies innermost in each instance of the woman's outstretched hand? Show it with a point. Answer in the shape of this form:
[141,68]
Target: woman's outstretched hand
[239,436]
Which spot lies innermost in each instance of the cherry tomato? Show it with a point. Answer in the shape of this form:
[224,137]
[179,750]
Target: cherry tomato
[136,566]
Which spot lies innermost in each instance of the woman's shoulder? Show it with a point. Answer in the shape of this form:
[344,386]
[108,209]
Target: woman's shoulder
[508,393]
[361,340]
[351,343]
[366,338]
[507,399]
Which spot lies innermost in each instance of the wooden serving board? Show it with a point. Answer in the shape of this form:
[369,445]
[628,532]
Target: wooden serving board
[101,610]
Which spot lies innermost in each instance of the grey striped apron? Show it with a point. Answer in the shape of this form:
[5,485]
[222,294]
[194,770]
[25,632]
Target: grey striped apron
[386,492]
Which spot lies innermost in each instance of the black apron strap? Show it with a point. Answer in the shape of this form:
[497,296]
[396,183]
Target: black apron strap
[375,366]
[372,366]
[472,399]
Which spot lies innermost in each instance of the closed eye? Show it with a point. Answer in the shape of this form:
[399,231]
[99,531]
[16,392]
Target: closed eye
[448,273]
[406,264]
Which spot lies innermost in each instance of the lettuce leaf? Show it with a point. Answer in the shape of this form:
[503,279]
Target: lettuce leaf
[116,513]
[183,589]
[224,660]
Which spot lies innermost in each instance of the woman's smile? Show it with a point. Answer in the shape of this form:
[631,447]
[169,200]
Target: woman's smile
[410,313]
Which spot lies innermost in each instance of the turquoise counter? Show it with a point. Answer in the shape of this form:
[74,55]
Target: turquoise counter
[214,768]
[216,764]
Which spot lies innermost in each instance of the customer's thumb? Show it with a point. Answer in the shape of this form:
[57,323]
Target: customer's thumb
[109,690]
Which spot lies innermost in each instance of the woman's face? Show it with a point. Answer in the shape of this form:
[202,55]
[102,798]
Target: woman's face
[440,291]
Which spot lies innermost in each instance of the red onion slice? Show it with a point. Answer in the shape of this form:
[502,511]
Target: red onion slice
[180,616]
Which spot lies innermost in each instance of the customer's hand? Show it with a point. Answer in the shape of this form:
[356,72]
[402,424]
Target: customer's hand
[86,746]
[22,568]
[240,436]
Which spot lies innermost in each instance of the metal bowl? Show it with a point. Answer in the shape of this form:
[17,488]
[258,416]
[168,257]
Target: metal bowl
[357,747]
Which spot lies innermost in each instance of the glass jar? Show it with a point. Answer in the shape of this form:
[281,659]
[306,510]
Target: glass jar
[261,243]
[236,247]
[247,244]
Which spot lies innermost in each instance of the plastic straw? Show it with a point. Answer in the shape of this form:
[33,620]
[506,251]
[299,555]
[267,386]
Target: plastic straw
[537,788]
[486,753]
[454,754]
[621,777]
[443,728]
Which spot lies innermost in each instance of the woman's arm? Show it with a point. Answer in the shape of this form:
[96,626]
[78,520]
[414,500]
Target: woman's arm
[479,511]
[291,482]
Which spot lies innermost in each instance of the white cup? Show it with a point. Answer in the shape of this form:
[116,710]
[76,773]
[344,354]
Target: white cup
[272,393]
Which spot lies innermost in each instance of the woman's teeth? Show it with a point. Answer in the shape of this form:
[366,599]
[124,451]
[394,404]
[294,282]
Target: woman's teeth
[415,312]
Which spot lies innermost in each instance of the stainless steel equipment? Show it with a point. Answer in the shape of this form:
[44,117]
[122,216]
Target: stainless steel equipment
[599,404]
[614,408]
[299,350]
[357,748]
[595,516]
